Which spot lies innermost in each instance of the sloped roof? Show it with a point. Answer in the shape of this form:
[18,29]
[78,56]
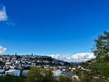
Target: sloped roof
[68,74]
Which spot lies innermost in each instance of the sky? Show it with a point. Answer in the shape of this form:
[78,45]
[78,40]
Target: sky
[52,27]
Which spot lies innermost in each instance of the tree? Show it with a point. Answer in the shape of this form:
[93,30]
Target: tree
[102,46]
[101,51]
[10,78]
[63,78]
[37,74]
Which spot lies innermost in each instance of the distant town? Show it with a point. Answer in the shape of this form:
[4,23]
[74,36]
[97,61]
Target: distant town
[19,65]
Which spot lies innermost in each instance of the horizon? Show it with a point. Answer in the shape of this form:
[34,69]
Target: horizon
[58,28]
[79,57]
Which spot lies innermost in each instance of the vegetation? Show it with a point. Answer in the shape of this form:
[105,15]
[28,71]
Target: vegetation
[63,78]
[37,74]
[86,76]
[1,63]
[98,67]
[12,79]
[101,51]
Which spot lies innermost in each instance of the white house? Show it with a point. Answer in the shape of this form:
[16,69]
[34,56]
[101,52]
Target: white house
[1,71]
[13,72]
[1,59]
[17,62]
[57,72]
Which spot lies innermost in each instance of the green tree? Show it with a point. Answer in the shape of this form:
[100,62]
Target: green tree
[101,51]
[63,78]
[12,79]
[37,74]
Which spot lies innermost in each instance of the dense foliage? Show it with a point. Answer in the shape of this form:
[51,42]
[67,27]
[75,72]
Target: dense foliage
[101,51]
[37,74]
[98,68]
[63,78]
[1,63]
[12,79]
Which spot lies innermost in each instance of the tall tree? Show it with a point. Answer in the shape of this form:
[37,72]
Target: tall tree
[101,51]
[102,46]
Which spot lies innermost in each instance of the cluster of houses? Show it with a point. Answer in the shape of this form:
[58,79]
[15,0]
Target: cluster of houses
[20,65]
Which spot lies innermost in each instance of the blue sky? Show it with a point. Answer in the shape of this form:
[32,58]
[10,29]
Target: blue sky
[52,26]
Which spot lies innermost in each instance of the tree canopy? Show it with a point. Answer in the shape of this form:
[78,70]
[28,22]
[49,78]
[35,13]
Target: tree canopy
[37,74]
[101,51]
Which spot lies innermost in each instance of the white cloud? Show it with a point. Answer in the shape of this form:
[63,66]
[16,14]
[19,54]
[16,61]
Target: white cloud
[2,50]
[4,18]
[79,57]
[3,15]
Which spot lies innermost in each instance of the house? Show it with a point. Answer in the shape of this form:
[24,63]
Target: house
[2,71]
[24,72]
[12,67]
[69,74]
[57,72]
[46,61]
[1,59]
[17,62]
[73,69]
[13,72]
[1,67]
[7,63]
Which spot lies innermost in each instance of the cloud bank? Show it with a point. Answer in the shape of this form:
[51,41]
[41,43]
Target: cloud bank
[79,57]
[3,15]
[2,50]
